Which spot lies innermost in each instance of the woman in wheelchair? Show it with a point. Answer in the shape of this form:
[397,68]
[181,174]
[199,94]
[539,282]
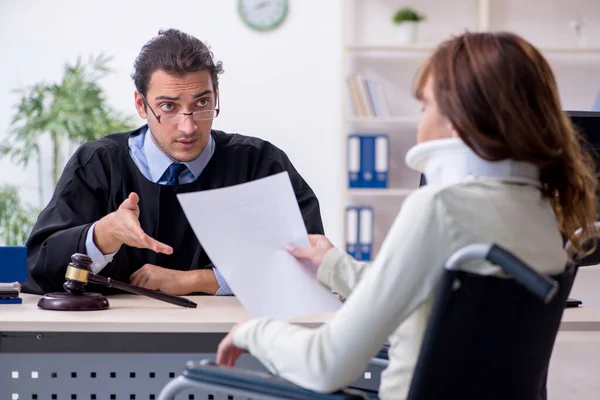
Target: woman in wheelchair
[503,165]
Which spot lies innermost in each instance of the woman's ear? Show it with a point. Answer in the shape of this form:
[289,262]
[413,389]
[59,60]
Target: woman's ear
[451,129]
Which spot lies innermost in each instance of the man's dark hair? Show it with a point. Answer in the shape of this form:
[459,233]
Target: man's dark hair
[176,53]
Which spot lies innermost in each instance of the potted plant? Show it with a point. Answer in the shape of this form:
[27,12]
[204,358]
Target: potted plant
[16,218]
[407,19]
[70,112]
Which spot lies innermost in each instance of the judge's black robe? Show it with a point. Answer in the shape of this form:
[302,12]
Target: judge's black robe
[101,175]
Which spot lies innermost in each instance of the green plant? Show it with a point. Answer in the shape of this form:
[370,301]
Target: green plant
[70,112]
[16,219]
[407,14]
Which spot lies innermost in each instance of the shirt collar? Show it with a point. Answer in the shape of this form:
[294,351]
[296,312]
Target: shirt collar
[158,162]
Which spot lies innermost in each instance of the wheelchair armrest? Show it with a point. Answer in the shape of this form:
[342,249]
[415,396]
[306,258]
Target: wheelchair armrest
[260,383]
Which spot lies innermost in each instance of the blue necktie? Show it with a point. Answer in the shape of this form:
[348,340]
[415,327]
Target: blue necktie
[173,173]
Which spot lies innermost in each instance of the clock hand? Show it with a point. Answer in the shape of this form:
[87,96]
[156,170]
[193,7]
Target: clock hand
[261,5]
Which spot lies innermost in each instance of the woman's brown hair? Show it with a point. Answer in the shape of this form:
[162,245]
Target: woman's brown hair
[501,96]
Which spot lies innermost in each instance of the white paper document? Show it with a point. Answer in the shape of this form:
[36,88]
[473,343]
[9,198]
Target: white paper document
[244,230]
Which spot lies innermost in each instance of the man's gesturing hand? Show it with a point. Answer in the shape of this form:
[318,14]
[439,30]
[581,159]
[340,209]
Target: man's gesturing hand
[123,227]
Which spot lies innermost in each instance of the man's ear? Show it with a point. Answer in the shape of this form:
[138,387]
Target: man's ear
[140,105]
[217,101]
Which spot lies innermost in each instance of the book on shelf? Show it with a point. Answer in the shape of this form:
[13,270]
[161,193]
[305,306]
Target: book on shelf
[368,160]
[366,97]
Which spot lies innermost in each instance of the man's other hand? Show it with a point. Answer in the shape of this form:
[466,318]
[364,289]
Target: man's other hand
[166,280]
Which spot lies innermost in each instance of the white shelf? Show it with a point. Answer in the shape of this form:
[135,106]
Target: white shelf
[385,120]
[381,192]
[429,49]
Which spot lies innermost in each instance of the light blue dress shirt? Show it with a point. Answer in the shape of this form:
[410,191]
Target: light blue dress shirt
[153,164]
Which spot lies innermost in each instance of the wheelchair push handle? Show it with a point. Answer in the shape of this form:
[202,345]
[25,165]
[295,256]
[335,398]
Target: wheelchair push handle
[540,285]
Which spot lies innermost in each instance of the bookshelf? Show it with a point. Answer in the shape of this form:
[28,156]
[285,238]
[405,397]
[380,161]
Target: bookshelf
[371,52]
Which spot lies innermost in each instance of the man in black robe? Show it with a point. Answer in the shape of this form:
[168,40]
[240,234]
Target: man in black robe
[116,199]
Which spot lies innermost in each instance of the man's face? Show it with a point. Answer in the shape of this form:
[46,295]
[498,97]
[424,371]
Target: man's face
[185,140]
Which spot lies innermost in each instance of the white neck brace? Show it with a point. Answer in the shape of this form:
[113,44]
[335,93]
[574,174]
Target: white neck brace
[450,161]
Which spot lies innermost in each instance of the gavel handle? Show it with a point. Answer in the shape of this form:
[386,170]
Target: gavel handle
[168,298]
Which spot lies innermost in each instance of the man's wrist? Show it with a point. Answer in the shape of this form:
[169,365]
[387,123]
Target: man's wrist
[200,280]
[103,237]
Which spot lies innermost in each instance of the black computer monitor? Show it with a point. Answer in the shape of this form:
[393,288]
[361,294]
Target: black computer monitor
[588,124]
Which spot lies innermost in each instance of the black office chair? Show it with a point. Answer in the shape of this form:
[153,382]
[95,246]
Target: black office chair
[487,338]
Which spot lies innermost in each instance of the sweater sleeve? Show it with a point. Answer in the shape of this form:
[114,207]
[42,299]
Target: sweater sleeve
[340,272]
[401,279]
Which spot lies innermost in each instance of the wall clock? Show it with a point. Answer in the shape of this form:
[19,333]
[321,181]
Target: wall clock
[263,15]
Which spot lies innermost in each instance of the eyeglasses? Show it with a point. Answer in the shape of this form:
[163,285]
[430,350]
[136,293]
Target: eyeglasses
[179,117]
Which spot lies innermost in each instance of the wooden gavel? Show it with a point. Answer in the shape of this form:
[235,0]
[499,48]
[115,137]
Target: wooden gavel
[79,273]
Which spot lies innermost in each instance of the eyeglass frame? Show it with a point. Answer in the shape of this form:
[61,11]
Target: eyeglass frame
[190,113]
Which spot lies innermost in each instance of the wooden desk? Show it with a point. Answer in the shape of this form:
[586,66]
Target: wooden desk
[131,313]
[144,342]
[581,319]
[132,349]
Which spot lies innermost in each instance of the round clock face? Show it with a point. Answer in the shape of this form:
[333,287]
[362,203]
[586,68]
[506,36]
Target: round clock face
[263,15]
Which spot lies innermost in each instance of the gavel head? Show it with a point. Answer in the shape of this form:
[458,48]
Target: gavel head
[77,273]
